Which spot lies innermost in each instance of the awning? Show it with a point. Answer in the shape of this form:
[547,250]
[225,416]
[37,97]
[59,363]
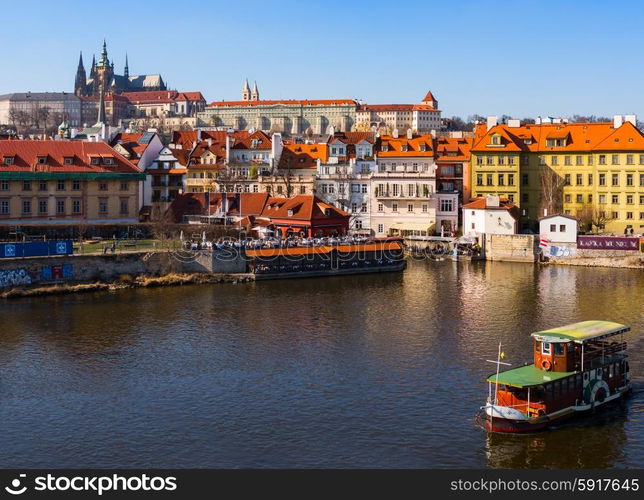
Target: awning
[427,227]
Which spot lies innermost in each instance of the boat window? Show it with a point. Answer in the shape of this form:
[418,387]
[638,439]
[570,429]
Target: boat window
[571,347]
[545,347]
[559,349]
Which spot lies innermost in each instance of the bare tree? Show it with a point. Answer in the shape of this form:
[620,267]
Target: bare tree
[591,218]
[552,186]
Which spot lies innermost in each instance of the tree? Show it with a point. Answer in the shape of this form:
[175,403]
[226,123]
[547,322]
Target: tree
[551,192]
[592,219]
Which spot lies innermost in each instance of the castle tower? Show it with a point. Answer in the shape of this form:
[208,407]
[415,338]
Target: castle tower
[430,100]
[81,78]
[246,91]
[255,94]
[104,71]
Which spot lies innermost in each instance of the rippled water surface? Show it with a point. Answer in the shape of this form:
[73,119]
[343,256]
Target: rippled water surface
[364,371]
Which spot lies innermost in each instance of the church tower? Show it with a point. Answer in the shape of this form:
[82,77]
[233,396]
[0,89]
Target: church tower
[103,72]
[255,94]
[246,91]
[126,71]
[81,78]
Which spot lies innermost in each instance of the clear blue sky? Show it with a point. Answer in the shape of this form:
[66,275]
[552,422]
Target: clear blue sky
[554,58]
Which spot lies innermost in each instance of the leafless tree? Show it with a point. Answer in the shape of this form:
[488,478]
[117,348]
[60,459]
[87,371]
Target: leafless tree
[552,186]
[592,218]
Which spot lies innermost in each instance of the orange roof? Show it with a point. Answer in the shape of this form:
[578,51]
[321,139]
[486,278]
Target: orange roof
[353,137]
[293,102]
[396,107]
[504,204]
[246,141]
[161,96]
[429,97]
[395,147]
[303,155]
[304,207]
[25,156]
[600,136]
[453,149]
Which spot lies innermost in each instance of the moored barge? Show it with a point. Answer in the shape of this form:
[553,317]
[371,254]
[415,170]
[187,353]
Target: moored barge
[371,256]
[576,369]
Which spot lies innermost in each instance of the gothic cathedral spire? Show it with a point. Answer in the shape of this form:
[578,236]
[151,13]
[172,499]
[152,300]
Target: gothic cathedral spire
[81,78]
[126,71]
[246,91]
[254,96]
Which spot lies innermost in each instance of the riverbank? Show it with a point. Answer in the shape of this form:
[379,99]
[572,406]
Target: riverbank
[127,281]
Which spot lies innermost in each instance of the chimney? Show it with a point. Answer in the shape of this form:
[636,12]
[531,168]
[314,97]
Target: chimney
[491,122]
[319,163]
[395,133]
[492,201]
[617,121]
[209,141]
[227,148]
[537,121]
[514,123]
[631,118]
[198,134]
[409,134]
[276,148]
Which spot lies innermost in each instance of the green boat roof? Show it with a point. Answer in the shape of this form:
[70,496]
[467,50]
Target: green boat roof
[527,376]
[584,330]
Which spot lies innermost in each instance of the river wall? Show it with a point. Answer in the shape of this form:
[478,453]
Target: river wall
[41,271]
[511,247]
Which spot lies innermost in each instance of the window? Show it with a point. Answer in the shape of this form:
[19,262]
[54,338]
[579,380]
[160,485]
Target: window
[501,160]
[489,180]
[615,159]
[580,198]
[602,179]
[42,207]
[280,189]
[410,207]
[641,199]
[26,185]
[381,228]
[615,199]
[364,188]
[510,160]
[602,159]
[8,160]
[102,186]
[123,205]
[394,189]
[76,186]
[602,198]
[629,159]
[410,190]
[381,207]
[511,198]
[590,179]
[76,206]
[545,347]
[102,206]
[425,207]
[4,185]
[60,185]
[363,208]
[124,186]
[42,186]
[4,207]
[562,228]
[567,160]
[95,160]
[567,198]
[629,199]
[68,160]
[42,160]
[510,179]
[629,215]
[524,179]
[567,180]
[525,198]
[580,179]
[501,180]
[479,179]
[26,207]
[302,189]
[446,205]
[590,198]
[490,160]
[629,179]
[60,207]
[579,160]
[394,207]
[615,179]
[355,188]
[358,224]
[479,160]
[553,228]
[590,160]
[553,160]
[614,215]
[641,159]
[354,207]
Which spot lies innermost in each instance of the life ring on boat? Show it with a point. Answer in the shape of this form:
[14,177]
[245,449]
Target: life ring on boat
[546,364]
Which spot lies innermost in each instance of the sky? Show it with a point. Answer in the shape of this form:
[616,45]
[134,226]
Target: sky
[523,59]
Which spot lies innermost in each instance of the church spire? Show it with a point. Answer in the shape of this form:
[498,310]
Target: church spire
[255,94]
[104,61]
[126,71]
[101,109]
[246,91]
[81,78]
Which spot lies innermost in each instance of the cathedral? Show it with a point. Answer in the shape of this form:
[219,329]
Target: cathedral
[102,76]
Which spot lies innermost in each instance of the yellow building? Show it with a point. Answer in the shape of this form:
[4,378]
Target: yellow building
[591,171]
[46,182]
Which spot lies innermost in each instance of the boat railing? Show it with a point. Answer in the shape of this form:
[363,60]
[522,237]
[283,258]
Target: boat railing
[533,408]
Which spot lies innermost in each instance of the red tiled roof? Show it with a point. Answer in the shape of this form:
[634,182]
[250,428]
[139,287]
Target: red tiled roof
[304,207]
[504,204]
[303,155]
[161,96]
[453,149]
[26,153]
[304,102]
[246,142]
[395,146]
[352,137]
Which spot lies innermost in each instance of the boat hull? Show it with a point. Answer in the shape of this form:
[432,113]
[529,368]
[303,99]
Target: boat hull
[494,422]
[398,267]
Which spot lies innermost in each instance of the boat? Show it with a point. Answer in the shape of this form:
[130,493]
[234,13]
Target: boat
[576,369]
[375,255]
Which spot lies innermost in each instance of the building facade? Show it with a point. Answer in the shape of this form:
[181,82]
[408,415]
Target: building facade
[69,182]
[591,171]
[420,118]
[40,109]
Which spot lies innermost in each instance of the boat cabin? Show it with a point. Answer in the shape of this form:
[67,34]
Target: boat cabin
[574,365]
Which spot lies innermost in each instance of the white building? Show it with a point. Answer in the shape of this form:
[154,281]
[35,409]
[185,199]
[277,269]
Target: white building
[420,118]
[490,215]
[27,108]
[559,229]
[403,185]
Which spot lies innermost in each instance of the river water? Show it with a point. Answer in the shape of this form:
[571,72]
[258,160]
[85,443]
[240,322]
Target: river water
[356,371]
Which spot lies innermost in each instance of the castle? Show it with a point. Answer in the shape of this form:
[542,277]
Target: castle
[102,76]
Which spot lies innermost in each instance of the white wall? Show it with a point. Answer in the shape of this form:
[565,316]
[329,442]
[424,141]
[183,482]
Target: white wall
[568,235]
[488,221]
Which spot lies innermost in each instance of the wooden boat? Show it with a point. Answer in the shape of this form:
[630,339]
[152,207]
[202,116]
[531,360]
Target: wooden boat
[576,369]
[375,255]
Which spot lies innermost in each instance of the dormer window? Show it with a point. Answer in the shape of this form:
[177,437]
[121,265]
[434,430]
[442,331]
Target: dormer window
[108,161]
[42,160]
[405,147]
[68,160]
[290,212]
[423,147]
[527,141]
[254,143]
[385,147]
[8,160]
[95,160]
[496,140]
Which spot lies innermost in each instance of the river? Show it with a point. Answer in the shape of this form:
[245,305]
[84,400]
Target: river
[355,371]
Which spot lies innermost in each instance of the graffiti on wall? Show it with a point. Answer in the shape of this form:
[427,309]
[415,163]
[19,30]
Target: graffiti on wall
[64,271]
[561,251]
[13,277]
